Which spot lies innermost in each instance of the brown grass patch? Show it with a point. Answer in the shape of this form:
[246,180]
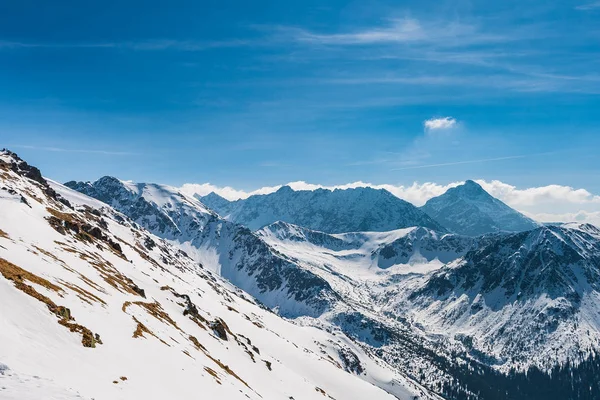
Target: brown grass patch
[141,329]
[62,216]
[218,362]
[107,271]
[123,378]
[197,344]
[113,277]
[213,373]
[87,336]
[187,354]
[91,283]
[48,254]
[197,322]
[83,294]
[228,370]
[19,276]
[4,234]
[156,310]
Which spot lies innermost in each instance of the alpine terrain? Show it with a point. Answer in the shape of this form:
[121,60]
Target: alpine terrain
[113,289]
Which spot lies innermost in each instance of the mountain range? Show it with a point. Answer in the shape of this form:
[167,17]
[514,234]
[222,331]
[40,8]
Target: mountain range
[94,306]
[226,248]
[343,294]
[331,211]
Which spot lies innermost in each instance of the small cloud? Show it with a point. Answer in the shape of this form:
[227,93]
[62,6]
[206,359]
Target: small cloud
[439,123]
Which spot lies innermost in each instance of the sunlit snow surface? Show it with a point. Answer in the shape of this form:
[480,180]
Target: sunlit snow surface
[46,360]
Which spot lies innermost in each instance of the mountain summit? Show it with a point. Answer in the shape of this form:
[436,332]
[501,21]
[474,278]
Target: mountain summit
[469,210]
[330,211]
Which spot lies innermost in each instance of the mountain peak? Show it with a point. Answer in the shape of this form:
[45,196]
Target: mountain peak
[469,210]
[470,188]
[285,189]
[212,196]
[214,201]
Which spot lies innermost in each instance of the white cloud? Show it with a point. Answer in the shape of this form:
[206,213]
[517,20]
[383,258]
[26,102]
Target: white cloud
[439,123]
[548,197]
[399,30]
[394,31]
[227,192]
[580,217]
[551,203]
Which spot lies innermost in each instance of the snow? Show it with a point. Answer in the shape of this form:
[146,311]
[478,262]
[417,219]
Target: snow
[48,361]
[355,209]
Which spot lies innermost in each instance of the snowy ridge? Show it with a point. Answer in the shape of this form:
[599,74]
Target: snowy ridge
[521,299]
[93,306]
[337,211]
[229,249]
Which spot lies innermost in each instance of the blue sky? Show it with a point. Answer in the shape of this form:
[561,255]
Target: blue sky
[252,94]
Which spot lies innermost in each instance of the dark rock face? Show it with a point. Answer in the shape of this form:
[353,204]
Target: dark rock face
[21,167]
[364,329]
[470,210]
[220,328]
[350,361]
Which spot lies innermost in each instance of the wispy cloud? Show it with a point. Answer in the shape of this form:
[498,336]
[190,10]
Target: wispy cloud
[589,6]
[66,150]
[399,30]
[482,160]
[142,45]
[403,30]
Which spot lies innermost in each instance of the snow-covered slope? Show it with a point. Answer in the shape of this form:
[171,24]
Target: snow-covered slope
[469,210]
[92,306]
[507,300]
[360,257]
[229,249]
[337,211]
[519,299]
